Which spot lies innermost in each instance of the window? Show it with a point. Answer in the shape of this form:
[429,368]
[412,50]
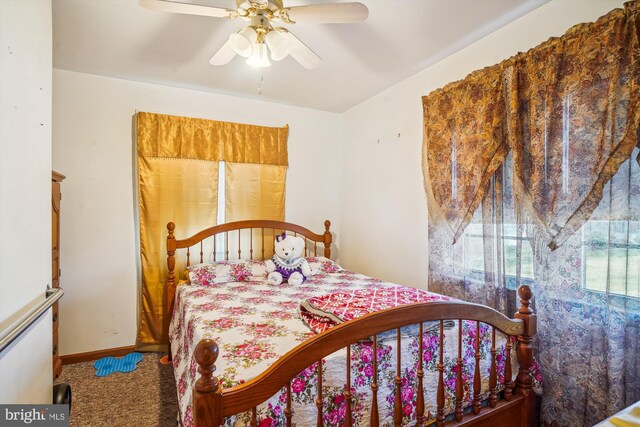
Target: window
[611,250]
[474,253]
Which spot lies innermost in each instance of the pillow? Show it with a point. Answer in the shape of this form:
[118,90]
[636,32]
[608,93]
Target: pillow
[321,264]
[210,274]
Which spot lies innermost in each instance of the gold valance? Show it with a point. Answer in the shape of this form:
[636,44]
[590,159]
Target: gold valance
[161,135]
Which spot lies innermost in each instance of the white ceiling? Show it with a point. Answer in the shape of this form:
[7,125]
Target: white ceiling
[118,38]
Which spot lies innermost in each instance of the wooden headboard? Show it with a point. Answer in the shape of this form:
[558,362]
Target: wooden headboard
[251,239]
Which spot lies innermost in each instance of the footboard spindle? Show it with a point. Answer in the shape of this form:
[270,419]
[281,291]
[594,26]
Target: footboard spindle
[508,384]
[287,412]
[476,375]
[397,412]
[493,397]
[374,385]
[440,402]
[420,391]
[320,421]
[348,422]
[459,389]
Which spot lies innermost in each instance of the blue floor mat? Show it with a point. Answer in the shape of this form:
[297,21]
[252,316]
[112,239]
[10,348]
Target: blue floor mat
[109,365]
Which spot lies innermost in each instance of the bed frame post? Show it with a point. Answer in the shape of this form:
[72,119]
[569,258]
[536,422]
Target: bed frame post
[327,239]
[207,396]
[171,281]
[525,357]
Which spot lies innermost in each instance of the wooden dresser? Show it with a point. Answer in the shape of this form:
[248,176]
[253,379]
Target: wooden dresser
[56,196]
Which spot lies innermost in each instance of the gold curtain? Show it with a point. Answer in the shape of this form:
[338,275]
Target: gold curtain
[178,160]
[254,192]
[183,191]
[567,108]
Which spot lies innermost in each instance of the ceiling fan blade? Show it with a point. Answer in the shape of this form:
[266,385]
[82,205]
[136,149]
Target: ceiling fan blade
[188,9]
[224,55]
[301,53]
[332,13]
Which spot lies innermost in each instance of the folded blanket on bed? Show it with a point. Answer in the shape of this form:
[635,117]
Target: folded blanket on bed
[326,311]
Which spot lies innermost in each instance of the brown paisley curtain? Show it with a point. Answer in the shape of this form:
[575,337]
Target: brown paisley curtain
[557,209]
[465,142]
[178,166]
[578,105]
[567,108]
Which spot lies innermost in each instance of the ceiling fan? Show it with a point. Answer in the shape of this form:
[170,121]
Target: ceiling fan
[260,37]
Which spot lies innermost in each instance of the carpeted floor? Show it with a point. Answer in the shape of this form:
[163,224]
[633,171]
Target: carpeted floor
[144,397]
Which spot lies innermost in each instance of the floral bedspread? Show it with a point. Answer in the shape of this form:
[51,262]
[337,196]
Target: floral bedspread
[255,323]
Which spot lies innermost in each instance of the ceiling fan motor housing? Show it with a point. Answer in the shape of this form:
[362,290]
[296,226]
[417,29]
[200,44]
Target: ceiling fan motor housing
[260,21]
[271,5]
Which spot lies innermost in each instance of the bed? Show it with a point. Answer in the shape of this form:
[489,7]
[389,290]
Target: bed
[248,353]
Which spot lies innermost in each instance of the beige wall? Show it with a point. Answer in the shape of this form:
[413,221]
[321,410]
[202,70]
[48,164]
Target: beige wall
[361,169]
[25,195]
[383,212]
[92,146]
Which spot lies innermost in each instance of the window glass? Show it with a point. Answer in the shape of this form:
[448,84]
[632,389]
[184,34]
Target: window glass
[611,254]
[474,252]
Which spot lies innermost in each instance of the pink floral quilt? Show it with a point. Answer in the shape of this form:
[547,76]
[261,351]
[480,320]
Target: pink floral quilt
[255,323]
[325,311]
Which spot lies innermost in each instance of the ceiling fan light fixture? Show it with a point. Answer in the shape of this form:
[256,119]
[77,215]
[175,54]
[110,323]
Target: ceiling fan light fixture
[242,42]
[260,56]
[279,44]
[260,39]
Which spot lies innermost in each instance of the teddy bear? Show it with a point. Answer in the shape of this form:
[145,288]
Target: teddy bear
[287,263]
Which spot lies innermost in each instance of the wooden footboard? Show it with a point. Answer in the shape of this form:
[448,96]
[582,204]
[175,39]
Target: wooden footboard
[514,406]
